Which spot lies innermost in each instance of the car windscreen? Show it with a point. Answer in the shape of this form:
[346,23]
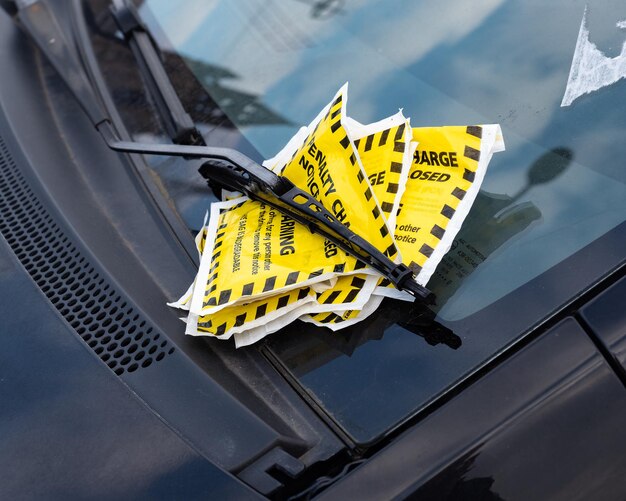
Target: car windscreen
[557,190]
[271,66]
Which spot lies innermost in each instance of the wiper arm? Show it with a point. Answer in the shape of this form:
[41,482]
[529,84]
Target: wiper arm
[226,166]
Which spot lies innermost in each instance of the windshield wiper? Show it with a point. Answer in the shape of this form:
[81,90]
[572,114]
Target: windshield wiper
[225,166]
[177,122]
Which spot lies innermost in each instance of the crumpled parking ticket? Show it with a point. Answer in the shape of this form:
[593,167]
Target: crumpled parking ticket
[385,149]
[406,190]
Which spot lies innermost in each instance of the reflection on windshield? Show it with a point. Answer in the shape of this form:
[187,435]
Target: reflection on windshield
[315,347]
[493,221]
[245,108]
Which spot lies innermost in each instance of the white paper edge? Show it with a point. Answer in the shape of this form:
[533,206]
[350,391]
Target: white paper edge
[357,130]
[393,293]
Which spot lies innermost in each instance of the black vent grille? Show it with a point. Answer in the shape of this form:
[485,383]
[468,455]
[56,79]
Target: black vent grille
[120,336]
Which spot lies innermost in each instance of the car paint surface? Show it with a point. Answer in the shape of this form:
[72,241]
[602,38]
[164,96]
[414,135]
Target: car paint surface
[546,424]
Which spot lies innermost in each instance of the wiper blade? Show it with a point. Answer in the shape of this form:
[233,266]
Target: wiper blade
[225,166]
[177,122]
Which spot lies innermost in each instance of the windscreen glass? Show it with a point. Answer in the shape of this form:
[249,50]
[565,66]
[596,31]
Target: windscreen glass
[271,66]
[560,185]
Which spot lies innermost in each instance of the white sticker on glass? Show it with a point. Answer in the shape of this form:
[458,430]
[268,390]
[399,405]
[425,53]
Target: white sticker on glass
[591,69]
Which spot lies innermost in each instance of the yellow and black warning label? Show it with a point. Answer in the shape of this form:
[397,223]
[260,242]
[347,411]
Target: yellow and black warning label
[254,334]
[344,292]
[343,319]
[348,293]
[254,251]
[327,166]
[447,170]
[238,318]
[386,152]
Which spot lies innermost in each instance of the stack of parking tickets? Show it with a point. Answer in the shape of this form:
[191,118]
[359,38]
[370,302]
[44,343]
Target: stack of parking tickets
[406,191]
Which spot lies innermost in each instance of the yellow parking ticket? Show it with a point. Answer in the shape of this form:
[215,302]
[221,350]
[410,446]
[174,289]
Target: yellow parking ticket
[328,167]
[239,318]
[253,251]
[307,154]
[386,152]
[343,319]
[255,334]
[448,168]
[348,293]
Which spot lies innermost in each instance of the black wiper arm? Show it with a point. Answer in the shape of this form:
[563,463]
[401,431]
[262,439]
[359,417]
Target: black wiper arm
[228,167]
[177,122]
